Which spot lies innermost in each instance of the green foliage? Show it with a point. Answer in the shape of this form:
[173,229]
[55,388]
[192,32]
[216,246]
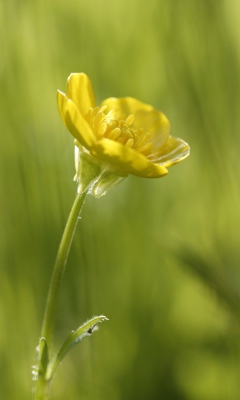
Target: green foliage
[160,257]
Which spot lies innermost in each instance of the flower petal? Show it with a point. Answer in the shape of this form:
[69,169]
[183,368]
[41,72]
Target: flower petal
[146,117]
[173,151]
[74,121]
[80,91]
[127,160]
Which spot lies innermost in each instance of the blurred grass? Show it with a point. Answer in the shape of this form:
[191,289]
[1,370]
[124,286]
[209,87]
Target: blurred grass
[149,255]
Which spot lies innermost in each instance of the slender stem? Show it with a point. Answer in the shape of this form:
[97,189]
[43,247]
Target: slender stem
[59,268]
[42,384]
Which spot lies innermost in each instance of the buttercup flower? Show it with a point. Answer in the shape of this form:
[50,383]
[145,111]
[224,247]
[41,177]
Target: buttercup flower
[122,136]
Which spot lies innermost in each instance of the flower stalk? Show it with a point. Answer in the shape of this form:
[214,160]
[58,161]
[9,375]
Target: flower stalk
[42,386]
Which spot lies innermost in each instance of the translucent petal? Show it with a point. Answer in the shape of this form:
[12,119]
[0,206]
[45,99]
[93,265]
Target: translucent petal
[174,150]
[80,91]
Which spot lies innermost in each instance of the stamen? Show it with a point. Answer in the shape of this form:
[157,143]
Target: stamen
[114,134]
[103,108]
[143,140]
[129,120]
[129,143]
[98,119]
[101,130]
[126,135]
[144,148]
[112,123]
[95,111]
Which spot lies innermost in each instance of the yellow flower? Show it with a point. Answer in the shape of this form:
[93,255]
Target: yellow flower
[122,136]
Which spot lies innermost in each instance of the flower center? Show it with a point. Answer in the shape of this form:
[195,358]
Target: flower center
[120,130]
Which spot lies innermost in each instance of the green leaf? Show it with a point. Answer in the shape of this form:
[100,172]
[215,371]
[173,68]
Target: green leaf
[41,359]
[72,340]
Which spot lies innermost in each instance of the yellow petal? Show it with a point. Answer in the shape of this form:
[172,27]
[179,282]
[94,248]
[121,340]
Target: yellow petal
[127,160]
[145,116]
[80,91]
[74,121]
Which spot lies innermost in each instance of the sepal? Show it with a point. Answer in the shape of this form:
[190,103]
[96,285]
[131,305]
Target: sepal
[88,169]
[94,176]
[105,182]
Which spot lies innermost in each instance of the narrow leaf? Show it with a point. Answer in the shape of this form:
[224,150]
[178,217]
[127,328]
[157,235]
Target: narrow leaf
[72,340]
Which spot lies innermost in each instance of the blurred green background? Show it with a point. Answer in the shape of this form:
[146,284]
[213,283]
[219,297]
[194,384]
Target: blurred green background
[160,258]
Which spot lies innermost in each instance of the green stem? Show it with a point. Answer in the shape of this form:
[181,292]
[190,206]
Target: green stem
[41,390]
[59,268]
